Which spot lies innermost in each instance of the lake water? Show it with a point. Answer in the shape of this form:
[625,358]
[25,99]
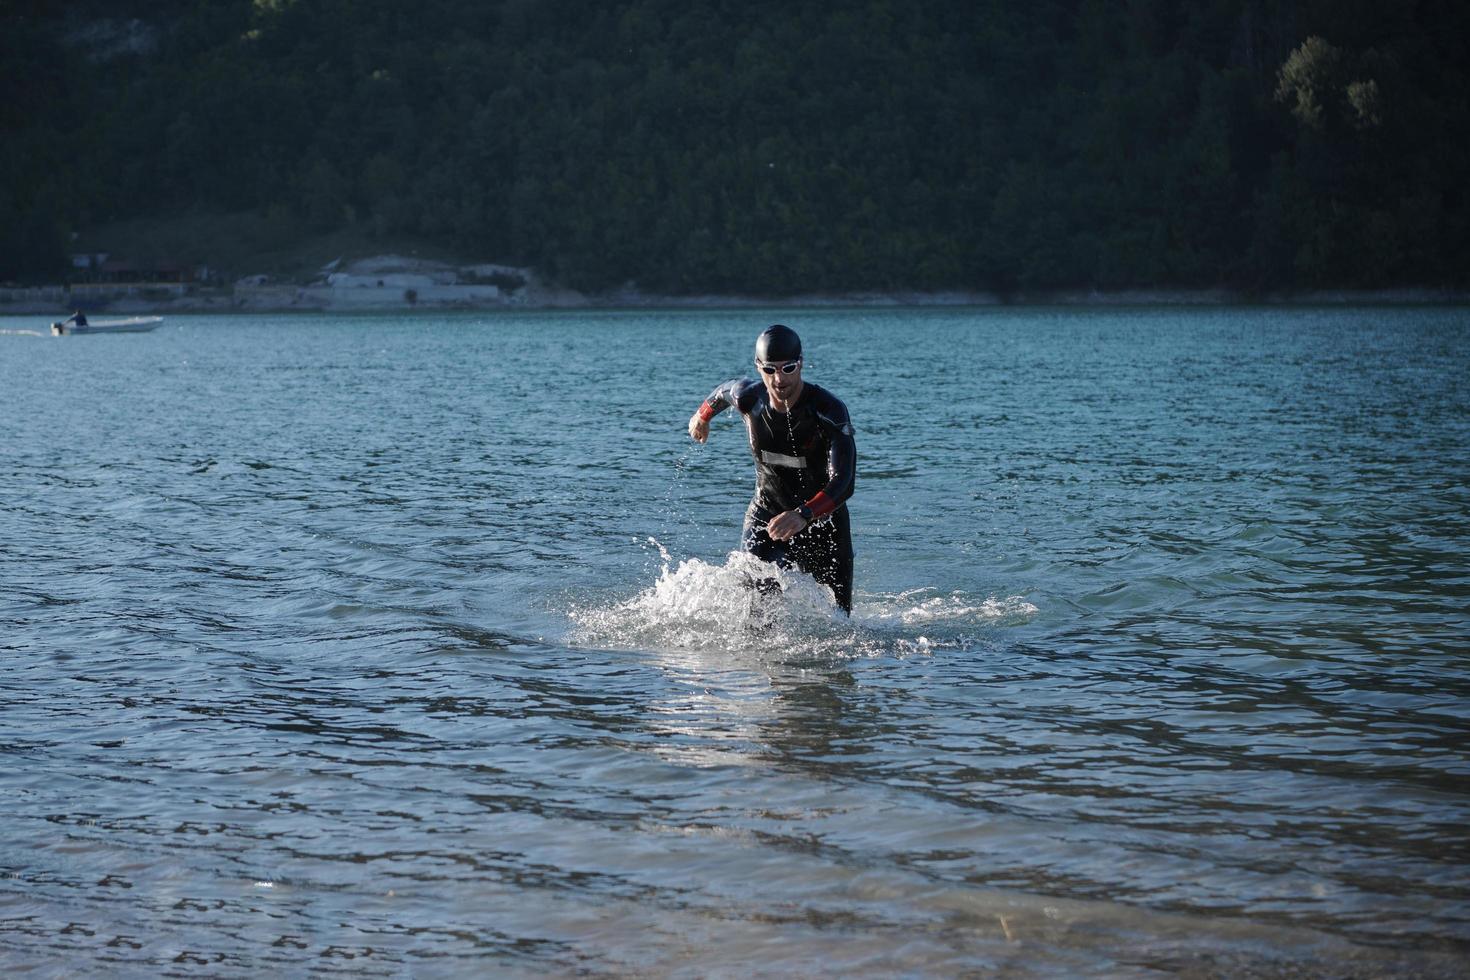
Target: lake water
[413,645]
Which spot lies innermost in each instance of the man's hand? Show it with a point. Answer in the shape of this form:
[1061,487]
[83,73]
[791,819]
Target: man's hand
[786,526]
[698,428]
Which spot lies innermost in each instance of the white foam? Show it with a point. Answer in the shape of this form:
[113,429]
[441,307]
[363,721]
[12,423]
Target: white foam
[921,606]
[696,605]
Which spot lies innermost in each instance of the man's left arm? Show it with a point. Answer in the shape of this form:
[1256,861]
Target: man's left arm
[841,464]
[841,476]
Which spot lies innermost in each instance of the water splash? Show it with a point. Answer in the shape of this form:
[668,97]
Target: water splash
[697,605]
[919,606]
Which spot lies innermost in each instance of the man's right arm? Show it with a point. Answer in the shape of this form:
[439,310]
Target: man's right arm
[735,392]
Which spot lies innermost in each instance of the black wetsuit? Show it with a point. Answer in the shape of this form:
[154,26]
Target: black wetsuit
[804,457]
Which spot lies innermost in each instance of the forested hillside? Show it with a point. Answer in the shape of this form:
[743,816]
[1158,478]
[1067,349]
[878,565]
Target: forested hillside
[766,147]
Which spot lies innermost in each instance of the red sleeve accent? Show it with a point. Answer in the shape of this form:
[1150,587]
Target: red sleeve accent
[821,505]
[707,411]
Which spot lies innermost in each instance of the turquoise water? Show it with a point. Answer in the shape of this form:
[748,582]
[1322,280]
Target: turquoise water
[414,646]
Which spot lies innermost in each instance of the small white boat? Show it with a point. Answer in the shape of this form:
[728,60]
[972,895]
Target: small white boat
[136,324]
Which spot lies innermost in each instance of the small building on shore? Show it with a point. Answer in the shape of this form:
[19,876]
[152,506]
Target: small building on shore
[101,277]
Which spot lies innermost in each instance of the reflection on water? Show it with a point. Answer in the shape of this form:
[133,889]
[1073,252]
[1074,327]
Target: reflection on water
[341,645]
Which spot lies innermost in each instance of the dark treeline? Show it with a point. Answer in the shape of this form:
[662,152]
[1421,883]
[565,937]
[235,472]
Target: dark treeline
[767,147]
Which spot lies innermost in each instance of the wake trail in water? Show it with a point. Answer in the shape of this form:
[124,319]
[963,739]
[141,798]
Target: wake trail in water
[23,333]
[698,605]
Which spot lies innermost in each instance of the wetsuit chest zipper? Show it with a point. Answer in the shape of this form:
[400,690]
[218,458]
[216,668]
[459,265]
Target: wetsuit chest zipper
[796,450]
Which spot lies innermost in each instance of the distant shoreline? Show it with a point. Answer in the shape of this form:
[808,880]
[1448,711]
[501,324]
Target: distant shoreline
[624,301]
[397,283]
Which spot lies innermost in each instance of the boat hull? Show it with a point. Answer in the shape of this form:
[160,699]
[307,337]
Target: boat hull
[137,324]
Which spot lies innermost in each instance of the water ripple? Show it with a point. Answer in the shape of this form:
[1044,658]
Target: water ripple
[382,646]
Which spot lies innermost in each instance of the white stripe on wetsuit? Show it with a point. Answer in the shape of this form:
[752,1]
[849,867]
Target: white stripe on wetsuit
[781,459]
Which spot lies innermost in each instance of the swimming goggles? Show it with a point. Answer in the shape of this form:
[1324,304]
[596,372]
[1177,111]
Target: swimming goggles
[788,368]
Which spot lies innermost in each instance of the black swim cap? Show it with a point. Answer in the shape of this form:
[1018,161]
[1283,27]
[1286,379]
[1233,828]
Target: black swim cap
[777,343]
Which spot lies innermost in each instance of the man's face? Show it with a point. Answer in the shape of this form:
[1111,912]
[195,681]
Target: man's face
[782,378]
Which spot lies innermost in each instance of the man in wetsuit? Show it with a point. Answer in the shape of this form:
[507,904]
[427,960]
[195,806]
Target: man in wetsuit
[805,463]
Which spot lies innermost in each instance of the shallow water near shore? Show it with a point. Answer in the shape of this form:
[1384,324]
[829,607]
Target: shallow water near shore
[414,645]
